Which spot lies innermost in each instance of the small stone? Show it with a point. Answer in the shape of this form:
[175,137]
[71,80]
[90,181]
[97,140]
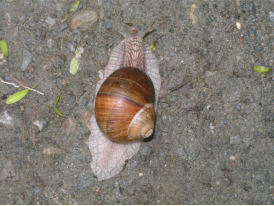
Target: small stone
[232,158]
[217,183]
[8,171]
[238,25]
[61,28]
[141,174]
[88,158]
[50,21]
[102,13]
[108,25]
[41,124]
[54,33]
[12,33]
[70,126]
[235,140]
[72,99]
[173,99]
[36,190]
[77,157]
[80,136]
[85,182]
[51,151]
[211,126]
[27,58]
[85,101]
[84,20]
[5,118]
[64,82]
[271,16]
[38,34]
[50,43]
[70,47]
[256,133]
[134,164]
[101,74]
[87,134]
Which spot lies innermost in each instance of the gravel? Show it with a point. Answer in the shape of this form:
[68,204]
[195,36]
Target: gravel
[213,139]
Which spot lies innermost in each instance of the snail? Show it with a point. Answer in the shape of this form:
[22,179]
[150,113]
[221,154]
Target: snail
[124,106]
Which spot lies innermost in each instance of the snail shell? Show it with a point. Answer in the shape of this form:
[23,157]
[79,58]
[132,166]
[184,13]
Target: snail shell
[124,105]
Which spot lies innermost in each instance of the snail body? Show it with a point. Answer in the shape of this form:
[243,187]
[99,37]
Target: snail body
[124,106]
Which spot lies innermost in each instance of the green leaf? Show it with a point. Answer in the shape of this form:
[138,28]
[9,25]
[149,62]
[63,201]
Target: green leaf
[74,7]
[56,102]
[152,46]
[18,96]
[74,66]
[261,69]
[4,48]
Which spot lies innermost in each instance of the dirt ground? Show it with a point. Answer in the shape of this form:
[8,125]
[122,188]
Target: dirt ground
[213,139]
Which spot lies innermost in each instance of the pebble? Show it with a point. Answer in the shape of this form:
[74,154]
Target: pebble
[84,20]
[70,47]
[77,157]
[86,117]
[134,164]
[102,13]
[80,136]
[50,43]
[108,25]
[173,99]
[232,158]
[41,124]
[238,25]
[54,33]
[8,171]
[61,28]
[235,140]
[70,126]
[101,73]
[36,190]
[72,99]
[85,182]
[85,101]
[271,16]
[12,33]
[38,34]
[50,21]
[256,133]
[88,158]
[51,151]
[87,134]
[27,58]
[5,118]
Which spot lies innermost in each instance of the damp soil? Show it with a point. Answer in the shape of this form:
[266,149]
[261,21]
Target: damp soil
[213,140]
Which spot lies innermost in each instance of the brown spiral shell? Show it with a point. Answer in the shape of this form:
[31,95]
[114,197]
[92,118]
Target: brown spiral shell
[124,105]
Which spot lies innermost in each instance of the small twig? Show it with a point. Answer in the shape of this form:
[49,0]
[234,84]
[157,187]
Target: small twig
[30,179]
[20,85]
[211,92]
[48,198]
[29,19]
[180,27]
[180,85]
